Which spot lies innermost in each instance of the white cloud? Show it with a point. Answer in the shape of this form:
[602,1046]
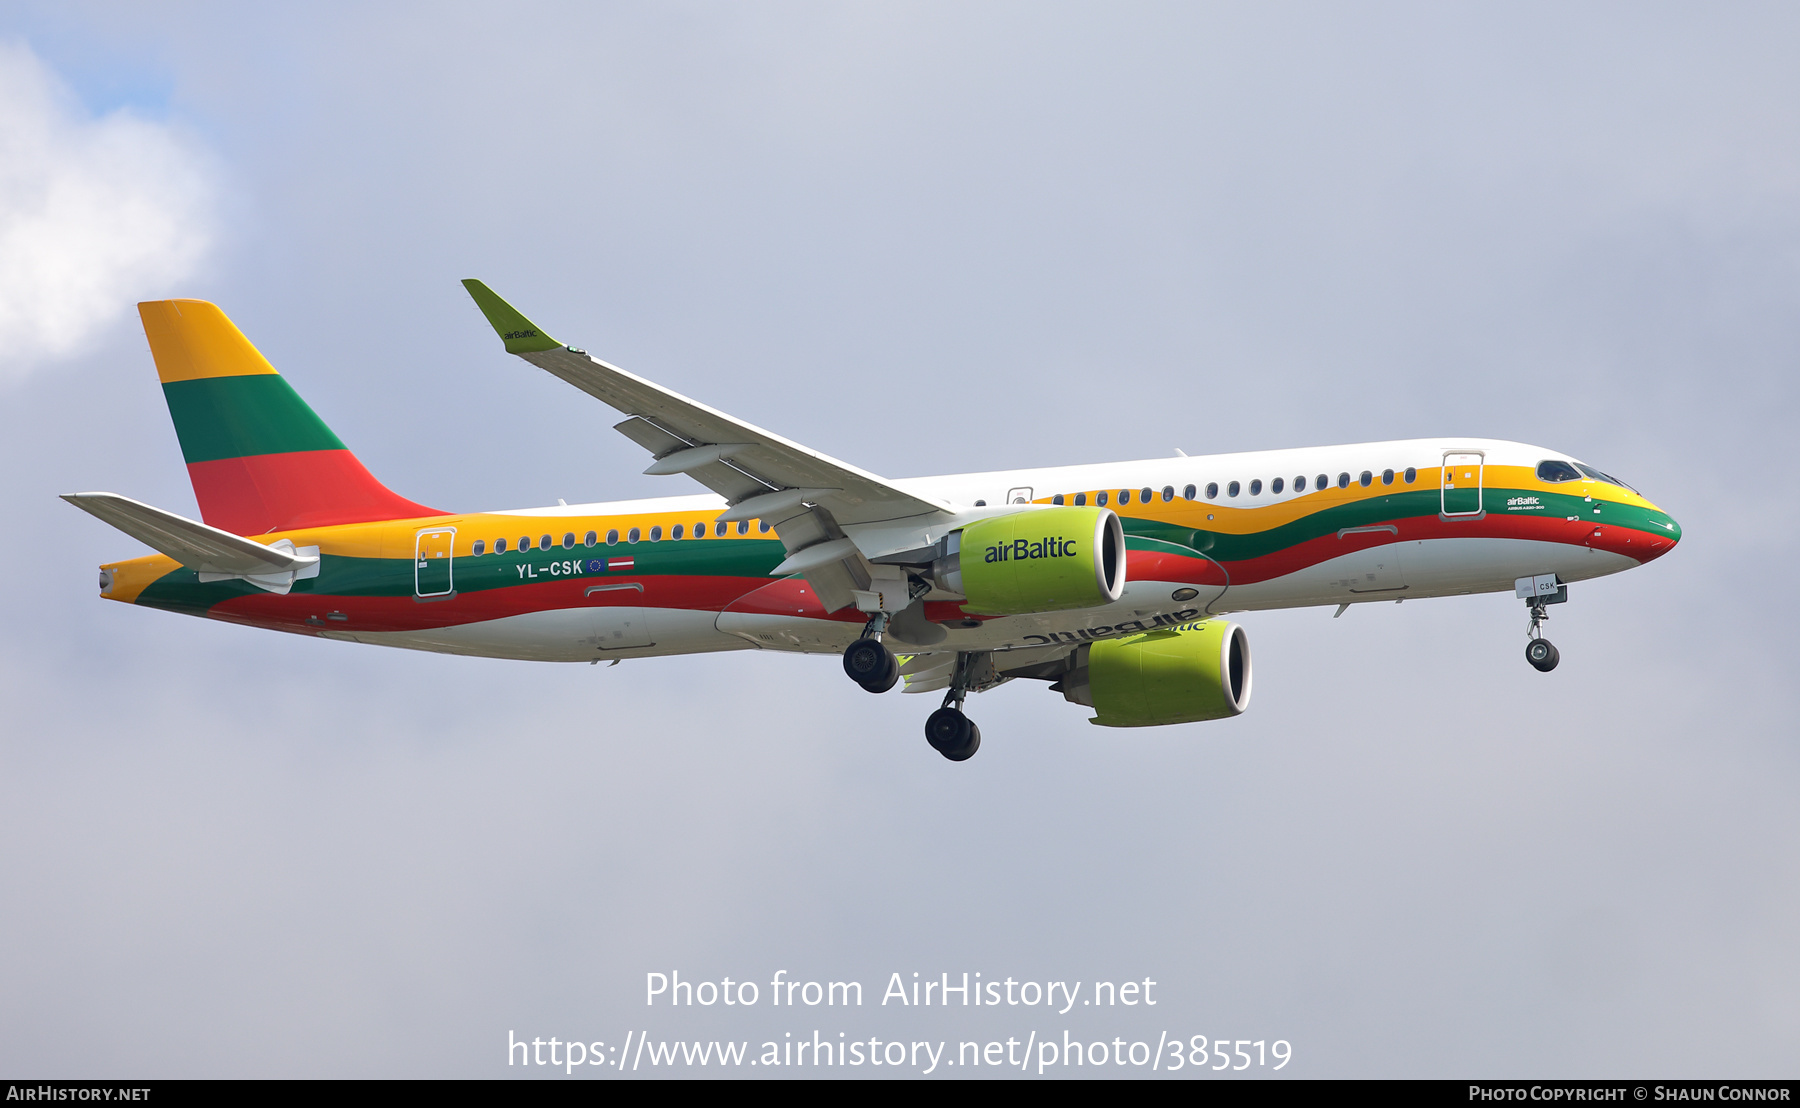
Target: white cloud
[95,214]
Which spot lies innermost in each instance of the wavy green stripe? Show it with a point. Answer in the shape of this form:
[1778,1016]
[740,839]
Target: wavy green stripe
[351,577]
[1387,508]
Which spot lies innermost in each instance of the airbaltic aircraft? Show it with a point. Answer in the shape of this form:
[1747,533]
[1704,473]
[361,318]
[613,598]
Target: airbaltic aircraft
[1106,581]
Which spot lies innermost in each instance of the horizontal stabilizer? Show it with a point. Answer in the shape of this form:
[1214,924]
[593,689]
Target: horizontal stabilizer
[209,551]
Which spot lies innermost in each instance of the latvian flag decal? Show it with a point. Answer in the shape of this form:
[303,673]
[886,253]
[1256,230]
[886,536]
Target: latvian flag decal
[613,565]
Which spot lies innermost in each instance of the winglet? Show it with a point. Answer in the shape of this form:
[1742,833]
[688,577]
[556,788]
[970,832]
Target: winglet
[520,334]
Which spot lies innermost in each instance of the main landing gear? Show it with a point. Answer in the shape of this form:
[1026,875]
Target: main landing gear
[951,733]
[868,662]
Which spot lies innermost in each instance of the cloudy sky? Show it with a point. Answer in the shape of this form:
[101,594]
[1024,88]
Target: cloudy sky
[923,238]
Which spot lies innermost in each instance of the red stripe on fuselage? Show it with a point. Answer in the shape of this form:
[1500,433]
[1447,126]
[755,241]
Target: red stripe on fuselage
[792,596]
[405,613]
[283,492]
[1158,565]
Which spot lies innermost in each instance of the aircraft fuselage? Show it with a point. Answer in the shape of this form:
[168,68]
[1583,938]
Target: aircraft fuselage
[1205,535]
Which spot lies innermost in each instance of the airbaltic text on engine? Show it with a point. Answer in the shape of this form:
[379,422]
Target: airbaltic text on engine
[1021,549]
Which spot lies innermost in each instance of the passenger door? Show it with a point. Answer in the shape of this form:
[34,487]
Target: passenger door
[1462,484]
[433,551]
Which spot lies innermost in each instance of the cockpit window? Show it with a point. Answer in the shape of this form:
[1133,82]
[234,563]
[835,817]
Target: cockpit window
[1553,470]
[1599,476]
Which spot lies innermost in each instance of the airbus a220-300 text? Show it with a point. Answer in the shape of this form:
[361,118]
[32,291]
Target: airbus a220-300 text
[1107,582]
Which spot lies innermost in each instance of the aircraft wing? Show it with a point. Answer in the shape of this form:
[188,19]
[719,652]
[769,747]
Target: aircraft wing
[804,494]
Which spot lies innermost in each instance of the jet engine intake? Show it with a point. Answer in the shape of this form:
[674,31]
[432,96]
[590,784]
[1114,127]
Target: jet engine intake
[1049,560]
[1171,675]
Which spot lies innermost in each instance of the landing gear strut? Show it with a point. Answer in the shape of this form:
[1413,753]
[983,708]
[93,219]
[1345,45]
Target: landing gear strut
[949,732]
[868,661]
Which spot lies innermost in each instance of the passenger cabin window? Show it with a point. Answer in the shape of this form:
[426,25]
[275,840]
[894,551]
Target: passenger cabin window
[612,538]
[589,539]
[1300,483]
[656,533]
[1275,486]
[1124,497]
[569,541]
[1212,490]
[743,527]
[1321,482]
[1081,500]
[480,547]
[544,543]
[1231,489]
[633,535]
[1554,471]
[1100,498]
[1411,475]
[1168,493]
[524,542]
[1343,480]
[1256,487]
[1387,476]
[1144,496]
[981,503]
[677,532]
[1187,493]
[1057,499]
[762,526]
[1366,479]
[699,530]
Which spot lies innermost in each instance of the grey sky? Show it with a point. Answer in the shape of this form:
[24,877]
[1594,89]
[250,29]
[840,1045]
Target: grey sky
[931,239]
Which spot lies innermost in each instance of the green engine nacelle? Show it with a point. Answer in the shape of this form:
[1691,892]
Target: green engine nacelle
[1048,560]
[1178,675]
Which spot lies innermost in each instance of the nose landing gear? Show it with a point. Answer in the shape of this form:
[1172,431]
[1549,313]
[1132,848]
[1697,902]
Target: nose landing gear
[1540,592]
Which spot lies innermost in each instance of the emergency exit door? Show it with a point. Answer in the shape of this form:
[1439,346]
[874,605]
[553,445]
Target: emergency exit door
[1462,485]
[432,574]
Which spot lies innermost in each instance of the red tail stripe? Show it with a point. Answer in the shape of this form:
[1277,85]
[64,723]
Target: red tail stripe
[281,492]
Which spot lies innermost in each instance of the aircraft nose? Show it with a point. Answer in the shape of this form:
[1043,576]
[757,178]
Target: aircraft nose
[1666,531]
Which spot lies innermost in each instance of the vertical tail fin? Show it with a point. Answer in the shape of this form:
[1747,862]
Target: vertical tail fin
[260,460]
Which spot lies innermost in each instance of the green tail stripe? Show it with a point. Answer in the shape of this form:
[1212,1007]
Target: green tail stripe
[237,417]
[520,334]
